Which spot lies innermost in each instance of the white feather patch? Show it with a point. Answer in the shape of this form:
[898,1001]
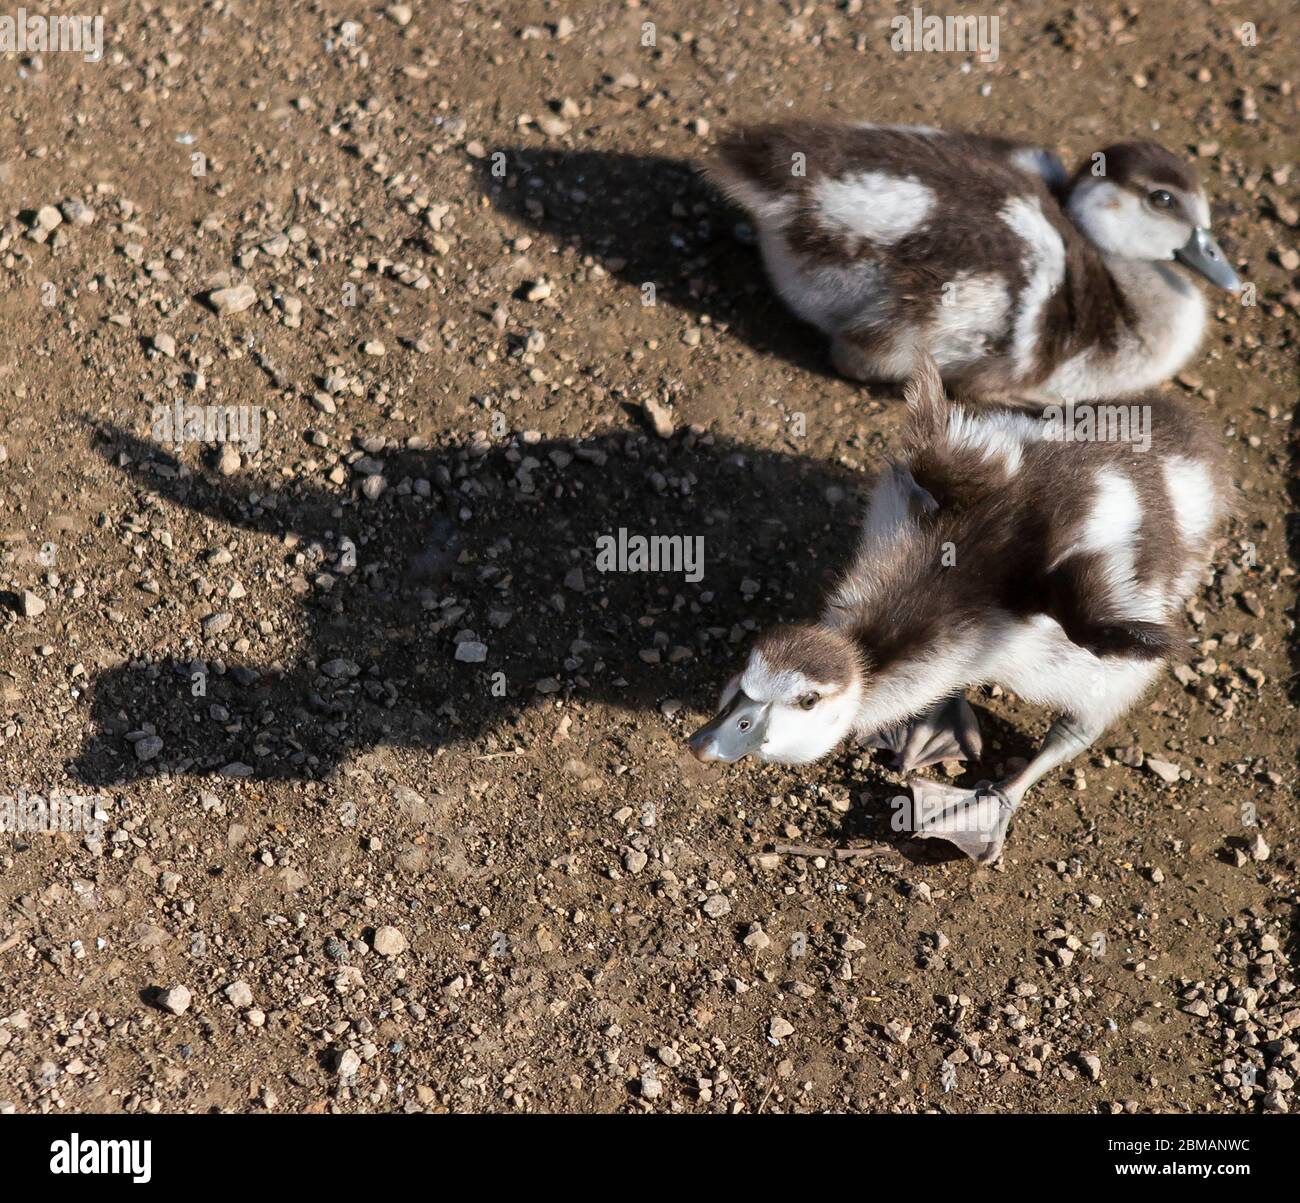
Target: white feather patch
[1044,265]
[1036,661]
[1111,531]
[874,204]
[1193,496]
[1197,507]
[995,435]
[971,312]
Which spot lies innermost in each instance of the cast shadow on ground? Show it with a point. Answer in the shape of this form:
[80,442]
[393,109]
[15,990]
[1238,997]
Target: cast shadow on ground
[650,219]
[505,547]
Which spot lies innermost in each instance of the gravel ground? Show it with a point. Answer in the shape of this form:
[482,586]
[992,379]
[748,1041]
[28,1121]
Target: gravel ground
[395,808]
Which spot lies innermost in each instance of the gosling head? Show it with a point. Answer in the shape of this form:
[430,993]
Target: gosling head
[1135,200]
[795,700]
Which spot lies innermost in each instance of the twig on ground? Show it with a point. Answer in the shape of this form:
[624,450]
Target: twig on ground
[830,853]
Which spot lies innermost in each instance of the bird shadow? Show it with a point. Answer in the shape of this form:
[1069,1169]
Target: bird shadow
[655,223]
[467,593]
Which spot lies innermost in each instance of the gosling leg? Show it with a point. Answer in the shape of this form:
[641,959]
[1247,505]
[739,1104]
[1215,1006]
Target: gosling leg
[947,731]
[976,821]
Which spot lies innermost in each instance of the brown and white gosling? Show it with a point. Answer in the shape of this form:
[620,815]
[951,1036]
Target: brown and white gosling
[1018,279]
[1001,550]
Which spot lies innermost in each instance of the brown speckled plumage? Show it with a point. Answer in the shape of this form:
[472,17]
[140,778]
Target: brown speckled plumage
[881,298]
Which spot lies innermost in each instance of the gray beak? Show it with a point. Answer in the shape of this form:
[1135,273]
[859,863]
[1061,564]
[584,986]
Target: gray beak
[736,731]
[1205,257]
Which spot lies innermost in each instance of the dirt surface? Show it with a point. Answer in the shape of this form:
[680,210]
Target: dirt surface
[448,225]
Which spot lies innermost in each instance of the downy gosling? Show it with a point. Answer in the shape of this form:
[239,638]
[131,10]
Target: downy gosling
[1019,280]
[1001,550]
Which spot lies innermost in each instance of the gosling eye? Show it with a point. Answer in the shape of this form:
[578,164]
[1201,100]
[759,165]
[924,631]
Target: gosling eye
[1161,199]
[809,700]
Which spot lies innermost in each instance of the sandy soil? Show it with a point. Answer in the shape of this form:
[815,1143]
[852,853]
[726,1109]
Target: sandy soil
[448,225]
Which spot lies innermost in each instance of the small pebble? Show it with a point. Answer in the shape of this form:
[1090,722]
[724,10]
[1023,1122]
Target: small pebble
[175,999]
[1167,772]
[232,300]
[389,942]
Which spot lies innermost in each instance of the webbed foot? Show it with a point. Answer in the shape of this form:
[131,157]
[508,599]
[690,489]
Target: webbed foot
[948,731]
[975,820]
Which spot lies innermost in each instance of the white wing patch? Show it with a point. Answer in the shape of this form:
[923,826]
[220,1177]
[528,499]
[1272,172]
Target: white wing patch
[1194,497]
[1111,531]
[1000,435]
[970,313]
[1044,264]
[1197,508]
[1117,514]
[874,204]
